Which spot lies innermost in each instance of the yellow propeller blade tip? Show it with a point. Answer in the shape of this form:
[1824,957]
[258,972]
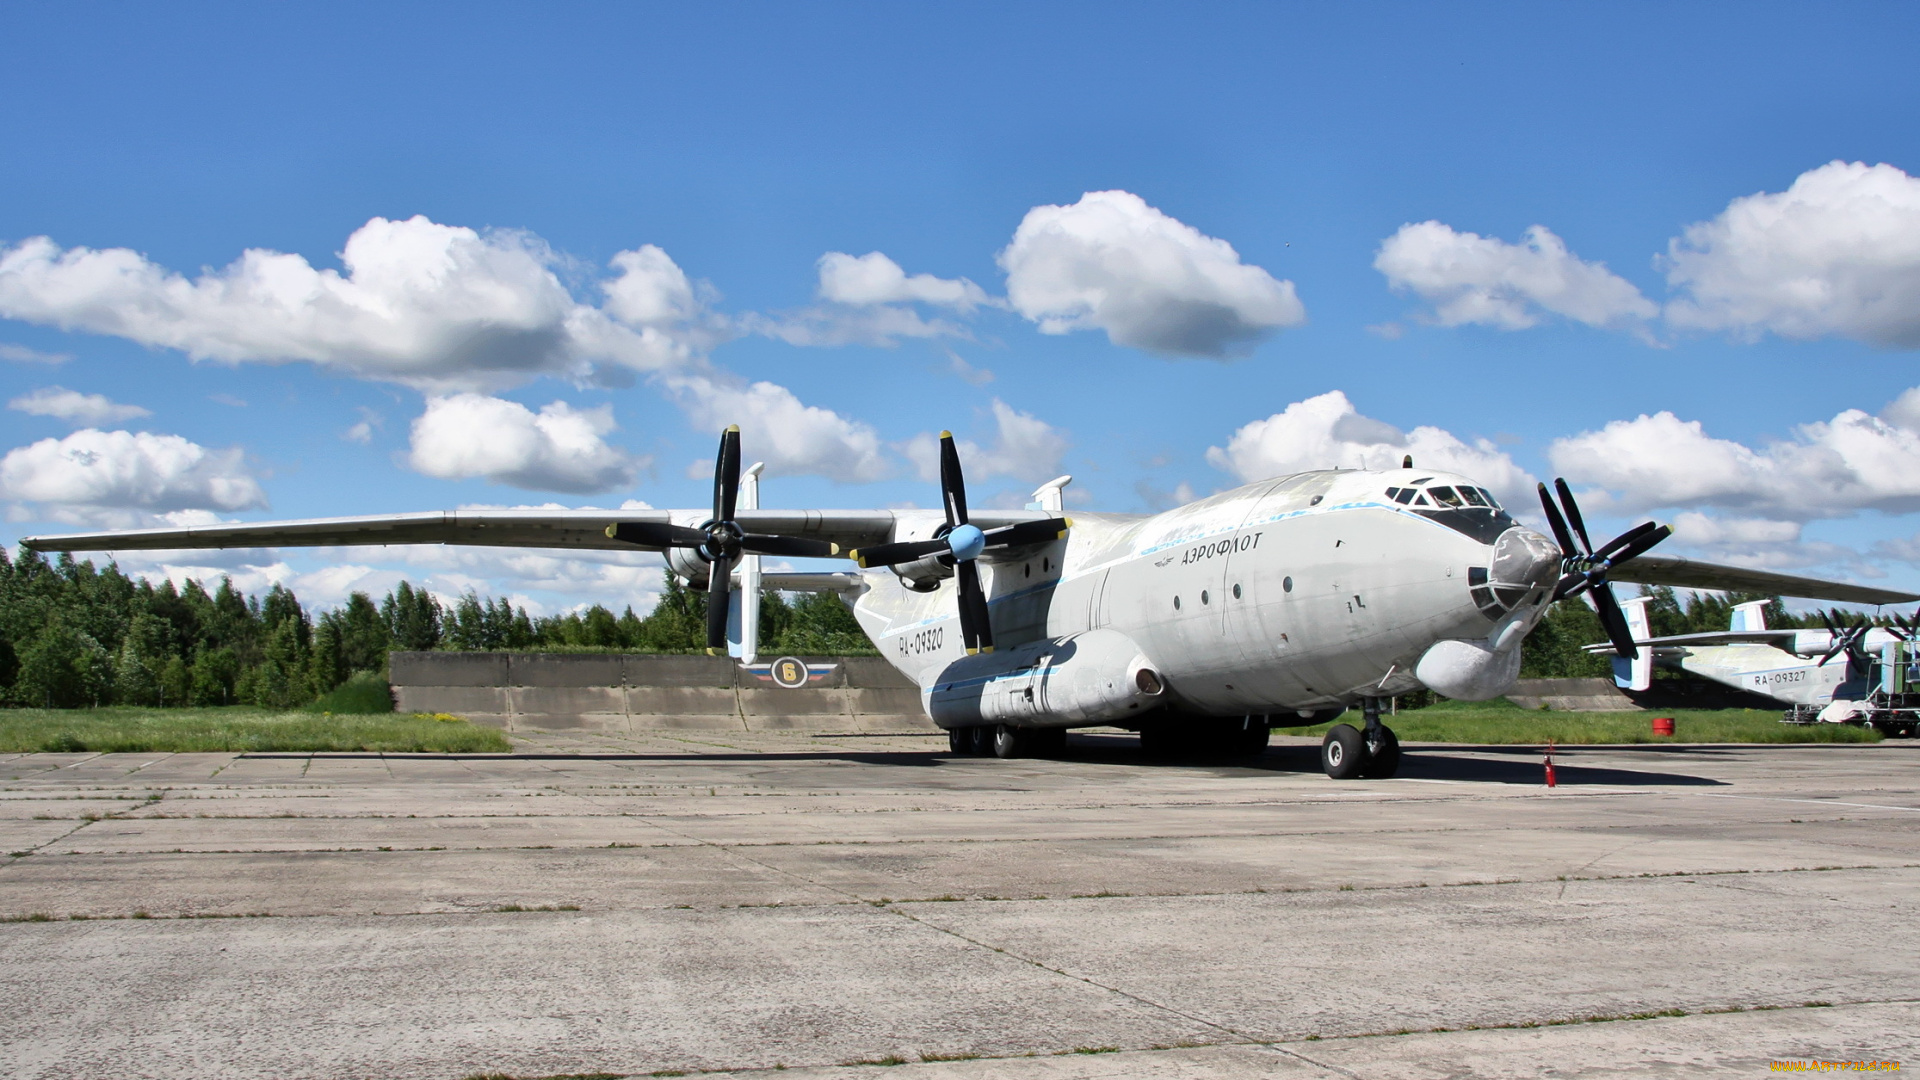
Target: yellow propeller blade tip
[716,652]
[611,529]
[946,434]
[733,429]
[973,652]
[1069,522]
[986,648]
[833,549]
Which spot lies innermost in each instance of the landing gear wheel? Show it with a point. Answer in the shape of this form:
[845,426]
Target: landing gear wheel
[1343,753]
[1010,741]
[980,740]
[959,740]
[1384,757]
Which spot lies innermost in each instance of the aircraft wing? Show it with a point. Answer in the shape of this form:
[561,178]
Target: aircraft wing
[1692,574]
[1709,637]
[498,528]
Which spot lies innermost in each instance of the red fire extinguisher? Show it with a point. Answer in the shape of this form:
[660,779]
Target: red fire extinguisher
[1550,781]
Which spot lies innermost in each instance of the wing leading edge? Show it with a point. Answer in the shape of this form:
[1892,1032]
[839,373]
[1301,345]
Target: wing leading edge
[492,528]
[1687,573]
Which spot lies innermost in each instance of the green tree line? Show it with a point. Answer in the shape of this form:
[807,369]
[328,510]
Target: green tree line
[72,635]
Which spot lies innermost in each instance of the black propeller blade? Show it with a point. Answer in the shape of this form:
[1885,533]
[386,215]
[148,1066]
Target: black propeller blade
[1584,569]
[721,540]
[960,543]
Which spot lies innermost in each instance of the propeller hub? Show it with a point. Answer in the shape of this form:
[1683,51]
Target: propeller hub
[723,540]
[966,542]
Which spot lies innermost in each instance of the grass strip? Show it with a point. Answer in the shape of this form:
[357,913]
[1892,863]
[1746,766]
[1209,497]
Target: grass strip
[127,729]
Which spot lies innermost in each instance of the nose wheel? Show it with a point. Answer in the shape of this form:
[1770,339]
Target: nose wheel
[1348,753]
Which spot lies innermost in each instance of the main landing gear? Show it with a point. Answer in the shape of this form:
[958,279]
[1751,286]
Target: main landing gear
[1007,741]
[1349,754]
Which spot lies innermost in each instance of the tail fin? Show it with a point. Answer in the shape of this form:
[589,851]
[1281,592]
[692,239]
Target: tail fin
[1635,674]
[1751,615]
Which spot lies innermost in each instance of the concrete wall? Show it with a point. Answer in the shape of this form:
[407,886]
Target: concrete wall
[1571,695]
[630,692]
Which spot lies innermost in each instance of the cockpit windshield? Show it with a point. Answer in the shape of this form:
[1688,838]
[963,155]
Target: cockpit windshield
[1463,508]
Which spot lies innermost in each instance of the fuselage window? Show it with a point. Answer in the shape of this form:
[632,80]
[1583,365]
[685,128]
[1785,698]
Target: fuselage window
[1286,584]
[1473,496]
[1444,496]
[1236,592]
[1176,603]
[1203,596]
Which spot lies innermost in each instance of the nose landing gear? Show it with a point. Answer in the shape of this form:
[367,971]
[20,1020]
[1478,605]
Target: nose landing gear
[1350,754]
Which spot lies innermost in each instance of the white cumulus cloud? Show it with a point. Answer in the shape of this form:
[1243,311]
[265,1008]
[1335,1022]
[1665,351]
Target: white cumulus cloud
[74,407]
[121,478]
[428,305]
[1024,447]
[1111,262]
[875,279]
[1327,432]
[1836,254]
[1469,278]
[560,448]
[792,437]
[1855,461]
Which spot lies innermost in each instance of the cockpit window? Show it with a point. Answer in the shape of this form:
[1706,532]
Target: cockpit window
[1473,496]
[1488,495]
[1444,496]
[1402,496]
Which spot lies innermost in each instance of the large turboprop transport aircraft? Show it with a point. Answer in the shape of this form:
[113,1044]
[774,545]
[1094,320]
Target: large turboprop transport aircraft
[1285,601]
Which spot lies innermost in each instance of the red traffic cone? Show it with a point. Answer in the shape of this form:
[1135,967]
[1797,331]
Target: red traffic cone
[1549,763]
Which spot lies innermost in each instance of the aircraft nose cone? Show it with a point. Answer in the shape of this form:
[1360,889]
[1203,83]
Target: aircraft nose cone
[1524,559]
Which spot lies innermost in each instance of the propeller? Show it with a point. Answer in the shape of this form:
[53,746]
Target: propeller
[960,543]
[1584,569]
[1848,639]
[721,540]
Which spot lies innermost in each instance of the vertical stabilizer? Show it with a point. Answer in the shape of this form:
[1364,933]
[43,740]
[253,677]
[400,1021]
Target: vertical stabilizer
[743,621]
[1636,674]
[1751,615]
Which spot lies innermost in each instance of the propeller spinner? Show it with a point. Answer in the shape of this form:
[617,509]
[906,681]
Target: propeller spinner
[960,543]
[1584,570]
[721,540]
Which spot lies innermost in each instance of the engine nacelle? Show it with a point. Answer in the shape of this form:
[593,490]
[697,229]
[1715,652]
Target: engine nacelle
[688,566]
[925,575]
[1092,677]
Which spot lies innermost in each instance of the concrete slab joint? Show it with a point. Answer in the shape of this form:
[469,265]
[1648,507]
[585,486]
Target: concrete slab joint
[641,692]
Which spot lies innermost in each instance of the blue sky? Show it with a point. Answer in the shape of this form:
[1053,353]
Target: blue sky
[1271,158]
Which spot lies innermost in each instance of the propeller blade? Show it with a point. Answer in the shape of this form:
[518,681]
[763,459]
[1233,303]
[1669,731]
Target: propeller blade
[648,534]
[1640,544]
[1558,524]
[1571,586]
[1624,539]
[717,585]
[1573,513]
[1615,622]
[893,554]
[953,486]
[975,625]
[726,475]
[1029,532]
[797,546]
